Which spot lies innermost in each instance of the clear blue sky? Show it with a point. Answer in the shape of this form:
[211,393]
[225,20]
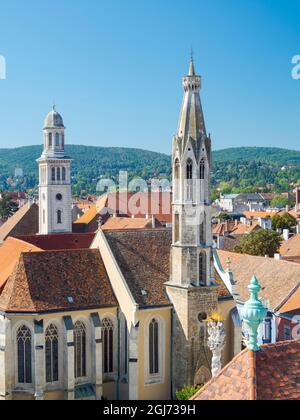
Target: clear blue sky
[114,68]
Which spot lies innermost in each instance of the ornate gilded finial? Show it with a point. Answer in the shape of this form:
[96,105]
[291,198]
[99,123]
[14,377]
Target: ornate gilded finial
[253,314]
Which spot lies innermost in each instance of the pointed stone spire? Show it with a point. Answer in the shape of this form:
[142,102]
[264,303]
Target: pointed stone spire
[191,122]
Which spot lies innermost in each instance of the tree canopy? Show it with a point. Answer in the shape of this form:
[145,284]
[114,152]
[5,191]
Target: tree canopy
[286,221]
[260,243]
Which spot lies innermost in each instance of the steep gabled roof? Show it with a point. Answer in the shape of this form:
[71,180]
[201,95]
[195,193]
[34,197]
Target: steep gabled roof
[23,222]
[273,373]
[57,281]
[144,259]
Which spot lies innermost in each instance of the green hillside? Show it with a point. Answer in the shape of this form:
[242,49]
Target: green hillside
[234,170]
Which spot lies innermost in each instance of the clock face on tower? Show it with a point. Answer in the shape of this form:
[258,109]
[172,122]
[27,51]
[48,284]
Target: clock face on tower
[58,197]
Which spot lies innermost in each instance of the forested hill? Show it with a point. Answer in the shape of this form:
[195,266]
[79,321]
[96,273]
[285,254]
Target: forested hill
[267,154]
[234,169]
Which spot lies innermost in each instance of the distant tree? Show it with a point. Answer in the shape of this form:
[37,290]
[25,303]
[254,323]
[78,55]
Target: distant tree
[261,243]
[7,207]
[280,202]
[287,221]
[224,216]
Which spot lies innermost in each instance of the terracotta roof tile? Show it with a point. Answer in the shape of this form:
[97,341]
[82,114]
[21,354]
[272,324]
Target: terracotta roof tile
[10,252]
[144,259]
[278,278]
[44,281]
[119,223]
[88,216]
[138,204]
[273,373]
[23,222]
[61,241]
[291,248]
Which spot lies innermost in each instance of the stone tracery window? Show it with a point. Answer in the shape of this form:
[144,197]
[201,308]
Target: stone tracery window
[53,174]
[202,268]
[63,173]
[24,349]
[108,345]
[80,349]
[51,353]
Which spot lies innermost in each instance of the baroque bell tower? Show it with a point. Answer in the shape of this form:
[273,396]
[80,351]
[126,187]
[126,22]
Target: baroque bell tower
[55,196]
[191,287]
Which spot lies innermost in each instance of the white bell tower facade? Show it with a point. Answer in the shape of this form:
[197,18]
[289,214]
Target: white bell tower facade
[55,195]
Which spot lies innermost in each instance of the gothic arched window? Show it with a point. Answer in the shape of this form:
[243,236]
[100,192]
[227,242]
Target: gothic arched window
[154,347]
[51,353]
[189,178]
[202,169]
[202,229]
[24,355]
[176,179]
[53,174]
[50,140]
[63,173]
[58,174]
[108,345]
[202,268]
[57,139]
[80,349]
[59,217]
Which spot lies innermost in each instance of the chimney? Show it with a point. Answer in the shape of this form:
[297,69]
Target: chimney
[277,257]
[220,242]
[153,222]
[286,234]
[287,208]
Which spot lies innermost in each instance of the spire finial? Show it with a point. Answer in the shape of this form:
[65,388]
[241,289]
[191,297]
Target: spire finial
[253,314]
[192,67]
[54,106]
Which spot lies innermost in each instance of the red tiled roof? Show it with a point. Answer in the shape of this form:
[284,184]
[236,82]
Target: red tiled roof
[88,216]
[291,303]
[138,204]
[144,259]
[291,248]
[10,252]
[44,281]
[119,223]
[259,214]
[24,222]
[61,241]
[277,277]
[273,373]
